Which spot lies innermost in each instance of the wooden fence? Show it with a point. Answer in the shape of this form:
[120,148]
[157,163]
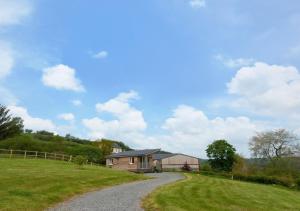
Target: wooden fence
[25,154]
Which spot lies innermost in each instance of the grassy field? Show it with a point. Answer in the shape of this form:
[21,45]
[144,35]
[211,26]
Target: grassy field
[37,184]
[199,192]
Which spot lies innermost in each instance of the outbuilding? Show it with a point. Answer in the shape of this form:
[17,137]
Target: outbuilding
[174,161]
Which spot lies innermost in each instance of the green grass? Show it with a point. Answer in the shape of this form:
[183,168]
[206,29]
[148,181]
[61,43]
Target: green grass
[38,184]
[199,192]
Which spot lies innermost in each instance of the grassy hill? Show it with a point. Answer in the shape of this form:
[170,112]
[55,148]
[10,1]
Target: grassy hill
[200,192]
[44,141]
[37,184]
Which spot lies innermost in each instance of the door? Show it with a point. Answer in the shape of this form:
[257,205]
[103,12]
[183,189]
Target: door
[143,162]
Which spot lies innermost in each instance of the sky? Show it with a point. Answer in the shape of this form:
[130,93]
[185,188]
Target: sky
[169,74]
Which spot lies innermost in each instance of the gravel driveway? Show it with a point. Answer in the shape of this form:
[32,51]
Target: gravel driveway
[118,198]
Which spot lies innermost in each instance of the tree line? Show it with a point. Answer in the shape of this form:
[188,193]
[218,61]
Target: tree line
[13,136]
[275,159]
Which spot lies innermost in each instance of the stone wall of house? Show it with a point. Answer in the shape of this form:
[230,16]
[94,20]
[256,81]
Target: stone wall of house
[124,163]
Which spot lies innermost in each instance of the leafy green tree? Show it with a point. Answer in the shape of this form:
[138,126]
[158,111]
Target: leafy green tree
[221,155]
[9,126]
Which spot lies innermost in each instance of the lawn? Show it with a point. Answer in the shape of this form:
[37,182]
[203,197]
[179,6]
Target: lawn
[38,184]
[200,192]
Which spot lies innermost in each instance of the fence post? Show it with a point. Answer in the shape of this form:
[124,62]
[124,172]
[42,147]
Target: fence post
[54,156]
[36,153]
[70,158]
[10,156]
[45,155]
[25,153]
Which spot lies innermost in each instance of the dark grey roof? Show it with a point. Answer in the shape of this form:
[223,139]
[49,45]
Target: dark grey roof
[133,153]
[158,156]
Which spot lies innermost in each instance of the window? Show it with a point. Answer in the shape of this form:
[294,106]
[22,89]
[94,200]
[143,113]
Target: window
[131,160]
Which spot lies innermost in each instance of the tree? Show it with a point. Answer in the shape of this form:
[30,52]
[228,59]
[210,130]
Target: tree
[239,165]
[274,144]
[9,126]
[221,155]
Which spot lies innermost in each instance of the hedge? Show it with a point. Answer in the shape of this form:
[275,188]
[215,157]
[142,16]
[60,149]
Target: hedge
[263,179]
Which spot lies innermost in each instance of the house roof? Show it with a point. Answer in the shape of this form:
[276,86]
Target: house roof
[159,156]
[133,153]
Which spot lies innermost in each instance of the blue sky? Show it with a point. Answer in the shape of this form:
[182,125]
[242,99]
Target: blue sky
[174,74]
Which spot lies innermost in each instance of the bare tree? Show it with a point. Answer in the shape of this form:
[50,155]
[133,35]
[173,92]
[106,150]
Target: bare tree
[274,144]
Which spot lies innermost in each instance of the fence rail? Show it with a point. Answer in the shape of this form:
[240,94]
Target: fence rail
[26,154]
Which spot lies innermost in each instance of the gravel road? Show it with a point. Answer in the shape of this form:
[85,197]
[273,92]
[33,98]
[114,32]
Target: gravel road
[126,197]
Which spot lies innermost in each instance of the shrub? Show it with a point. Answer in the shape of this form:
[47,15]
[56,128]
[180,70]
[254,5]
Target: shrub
[80,160]
[186,167]
[284,181]
[206,167]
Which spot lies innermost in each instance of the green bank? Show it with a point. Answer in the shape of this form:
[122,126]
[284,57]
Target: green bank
[199,192]
[37,184]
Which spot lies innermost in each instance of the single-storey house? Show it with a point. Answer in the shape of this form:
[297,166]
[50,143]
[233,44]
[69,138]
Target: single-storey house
[149,159]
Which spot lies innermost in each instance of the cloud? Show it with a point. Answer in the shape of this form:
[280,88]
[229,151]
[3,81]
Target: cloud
[101,55]
[187,130]
[76,102]
[66,116]
[127,119]
[265,89]
[192,129]
[197,3]
[62,77]
[13,11]
[30,122]
[6,59]
[234,63]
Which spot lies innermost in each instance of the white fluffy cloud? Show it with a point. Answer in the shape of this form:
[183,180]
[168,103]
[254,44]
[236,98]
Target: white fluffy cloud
[192,129]
[66,116]
[127,118]
[62,77]
[188,130]
[234,63]
[197,3]
[101,55]
[30,122]
[76,102]
[265,89]
[14,11]
[6,59]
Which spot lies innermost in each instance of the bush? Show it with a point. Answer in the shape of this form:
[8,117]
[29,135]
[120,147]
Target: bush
[186,167]
[284,181]
[80,160]
[206,167]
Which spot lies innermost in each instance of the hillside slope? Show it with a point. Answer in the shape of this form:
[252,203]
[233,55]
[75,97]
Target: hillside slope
[199,192]
[37,184]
